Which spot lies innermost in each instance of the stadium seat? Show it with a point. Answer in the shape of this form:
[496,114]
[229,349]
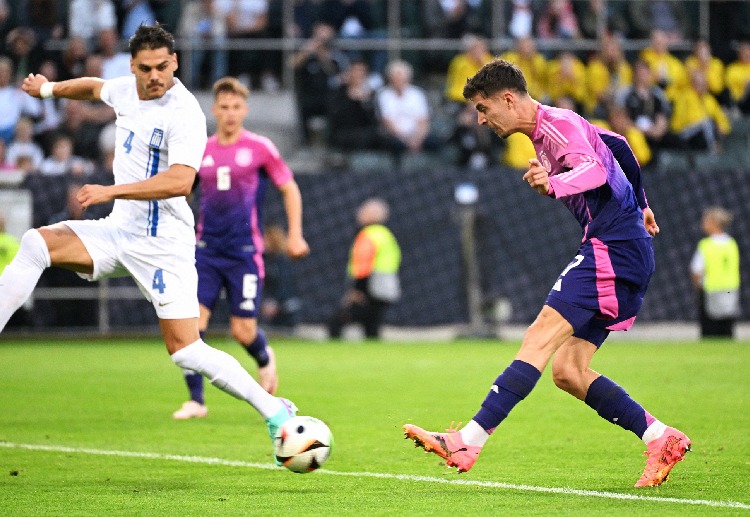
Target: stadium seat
[370,161]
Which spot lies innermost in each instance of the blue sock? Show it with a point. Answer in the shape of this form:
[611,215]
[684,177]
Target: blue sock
[194,382]
[613,404]
[510,388]
[257,349]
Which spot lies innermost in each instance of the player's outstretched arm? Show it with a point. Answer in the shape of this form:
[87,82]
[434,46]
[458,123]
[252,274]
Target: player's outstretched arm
[173,182]
[82,88]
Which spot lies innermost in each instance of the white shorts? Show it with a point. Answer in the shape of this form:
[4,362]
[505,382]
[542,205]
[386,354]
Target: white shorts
[163,269]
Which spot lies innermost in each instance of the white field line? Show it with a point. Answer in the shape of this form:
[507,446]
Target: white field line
[399,477]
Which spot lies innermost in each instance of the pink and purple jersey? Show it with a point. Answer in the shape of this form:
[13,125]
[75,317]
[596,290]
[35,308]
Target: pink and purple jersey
[586,177]
[233,180]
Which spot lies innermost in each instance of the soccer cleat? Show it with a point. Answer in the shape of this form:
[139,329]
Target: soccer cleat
[190,409]
[662,454]
[448,446]
[287,411]
[267,377]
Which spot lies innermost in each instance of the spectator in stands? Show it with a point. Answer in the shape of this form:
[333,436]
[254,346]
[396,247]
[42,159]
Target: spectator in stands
[73,61]
[62,161]
[6,21]
[621,123]
[533,65]
[201,23]
[84,311]
[84,120]
[666,16]
[372,273]
[25,165]
[464,65]
[134,13]
[668,71]
[607,74]
[518,150]
[23,144]
[712,68]
[14,102]
[567,78]
[558,21]
[317,66]
[47,19]
[715,272]
[591,12]
[52,110]
[521,16]
[353,123]
[306,13]
[452,19]
[115,63]
[6,164]
[474,142]
[697,117]
[280,306]
[353,19]
[404,112]
[647,105]
[21,43]
[89,17]
[738,78]
[249,19]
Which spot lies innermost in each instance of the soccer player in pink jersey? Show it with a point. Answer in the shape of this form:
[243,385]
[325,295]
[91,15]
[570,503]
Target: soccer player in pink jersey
[594,173]
[236,168]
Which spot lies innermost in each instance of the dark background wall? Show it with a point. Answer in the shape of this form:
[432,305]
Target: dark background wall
[524,241]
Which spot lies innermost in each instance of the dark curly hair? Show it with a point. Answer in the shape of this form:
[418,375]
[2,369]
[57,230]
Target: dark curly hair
[496,75]
[151,37]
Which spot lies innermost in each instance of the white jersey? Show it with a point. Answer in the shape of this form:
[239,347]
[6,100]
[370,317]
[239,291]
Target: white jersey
[151,136]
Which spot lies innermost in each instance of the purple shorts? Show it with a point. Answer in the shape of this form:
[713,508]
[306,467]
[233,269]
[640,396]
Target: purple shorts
[240,278]
[602,289]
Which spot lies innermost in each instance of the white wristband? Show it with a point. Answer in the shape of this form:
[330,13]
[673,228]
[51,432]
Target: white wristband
[45,90]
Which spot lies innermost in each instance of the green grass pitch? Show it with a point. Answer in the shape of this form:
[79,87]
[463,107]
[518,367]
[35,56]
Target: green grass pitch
[85,429]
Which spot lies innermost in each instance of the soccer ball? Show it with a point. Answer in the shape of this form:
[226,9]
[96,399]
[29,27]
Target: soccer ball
[303,444]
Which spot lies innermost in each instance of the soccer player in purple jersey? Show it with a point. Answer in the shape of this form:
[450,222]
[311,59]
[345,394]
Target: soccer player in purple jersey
[599,291]
[234,173]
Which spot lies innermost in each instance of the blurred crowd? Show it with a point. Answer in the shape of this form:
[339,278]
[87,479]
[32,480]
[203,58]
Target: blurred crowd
[676,90]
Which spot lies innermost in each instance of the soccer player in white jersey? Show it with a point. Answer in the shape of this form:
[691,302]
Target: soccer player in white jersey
[235,171]
[160,138]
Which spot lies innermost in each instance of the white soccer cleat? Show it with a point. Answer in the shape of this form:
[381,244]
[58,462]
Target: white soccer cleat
[190,409]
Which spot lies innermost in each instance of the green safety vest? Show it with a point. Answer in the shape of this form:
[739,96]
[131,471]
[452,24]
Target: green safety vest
[388,255]
[8,248]
[721,261]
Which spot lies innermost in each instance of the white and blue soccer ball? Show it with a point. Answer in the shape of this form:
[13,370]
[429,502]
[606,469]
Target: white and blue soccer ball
[303,444]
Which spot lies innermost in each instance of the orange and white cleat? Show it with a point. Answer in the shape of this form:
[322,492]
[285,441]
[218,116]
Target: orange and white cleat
[663,454]
[449,446]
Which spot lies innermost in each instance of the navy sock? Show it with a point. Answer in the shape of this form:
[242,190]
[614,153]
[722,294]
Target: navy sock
[613,404]
[510,388]
[194,381]
[257,349]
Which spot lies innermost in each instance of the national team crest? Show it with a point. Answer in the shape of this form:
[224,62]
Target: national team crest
[243,157]
[156,137]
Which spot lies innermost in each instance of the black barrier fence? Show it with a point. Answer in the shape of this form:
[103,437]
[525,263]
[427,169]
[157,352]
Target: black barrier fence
[523,242]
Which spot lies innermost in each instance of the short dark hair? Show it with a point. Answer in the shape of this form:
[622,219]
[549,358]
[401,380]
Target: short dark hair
[150,37]
[493,77]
